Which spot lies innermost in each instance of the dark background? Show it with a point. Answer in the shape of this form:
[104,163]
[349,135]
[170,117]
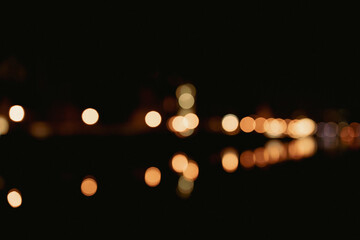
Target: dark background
[297,56]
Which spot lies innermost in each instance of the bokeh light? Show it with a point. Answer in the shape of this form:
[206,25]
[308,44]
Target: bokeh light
[192,170]
[229,160]
[179,123]
[185,88]
[14,198]
[275,127]
[90,116]
[184,187]
[40,129]
[247,159]
[4,125]
[179,162]
[152,176]
[192,120]
[88,186]
[261,157]
[299,128]
[17,113]
[186,100]
[153,119]
[259,125]
[247,124]
[230,123]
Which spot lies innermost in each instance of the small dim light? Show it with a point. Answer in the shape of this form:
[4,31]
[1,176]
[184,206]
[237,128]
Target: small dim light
[17,113]
[88,186]
[153,119]
[152,176]
[14,198]
[90,116]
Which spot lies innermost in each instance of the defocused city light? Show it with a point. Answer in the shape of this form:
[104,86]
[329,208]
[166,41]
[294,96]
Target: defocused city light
[14,198]
[186,100]
[179,162]
[153,119]
[184,187]
[247,124]
[185,88]
[230,123]
[4,125]
[259,124]
[88,186]
[16,113]
[152,176]
[90,116]
[192,120]
[192,170]
[230,160]
[247,159]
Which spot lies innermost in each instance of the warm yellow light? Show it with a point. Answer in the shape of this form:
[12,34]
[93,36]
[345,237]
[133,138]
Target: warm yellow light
[179,162]
[90,116]
[276,151]
[185,88]
[179,123]
[186,100]
[299,128]
[230,123]
[152,176]
[88,186]
[247,124]
[230,160]
[16,113]
[14,198]
[192,170]
[259,124]
[275,127]
[4,125]
[302,148]
[153,119]
[192,120]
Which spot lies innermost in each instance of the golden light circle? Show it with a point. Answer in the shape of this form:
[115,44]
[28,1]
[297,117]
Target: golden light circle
[179,162]
[153,119]
[88,186]
[14,198]
[230,160]
[247,124]
[90,116]
[186,100]
[152,176]
[230,123]
[17,113]
[192,120]
[192,170]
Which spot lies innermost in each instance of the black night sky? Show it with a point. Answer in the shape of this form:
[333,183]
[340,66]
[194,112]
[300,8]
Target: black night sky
[292,57]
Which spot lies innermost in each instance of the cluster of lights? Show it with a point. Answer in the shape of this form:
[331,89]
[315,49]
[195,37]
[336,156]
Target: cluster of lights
[273,152]
[271,127]
[186,168]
